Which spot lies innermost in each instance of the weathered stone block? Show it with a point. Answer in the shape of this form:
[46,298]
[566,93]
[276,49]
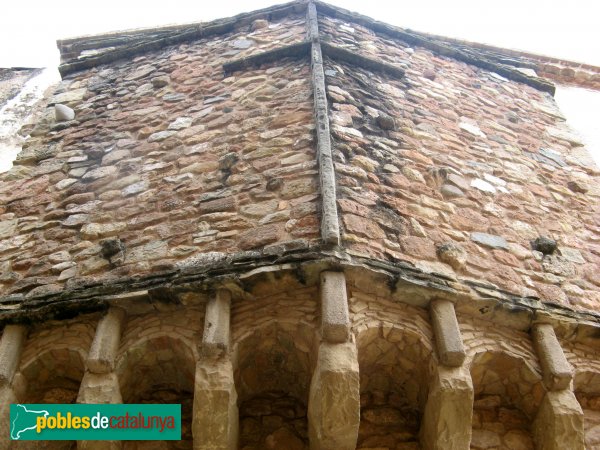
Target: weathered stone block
[101,358]
[63,113]
[7,396]
[559,422]
[334,401]
[335,318]
[447,419]
[557,371]
[451,350]
[215,418]
[215,339]
[99,388]
[11,345]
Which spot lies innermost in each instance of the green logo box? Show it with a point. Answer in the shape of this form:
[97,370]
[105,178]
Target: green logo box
[95,422]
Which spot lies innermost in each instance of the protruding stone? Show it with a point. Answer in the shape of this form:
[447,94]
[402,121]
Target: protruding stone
[259,24]
[11,345]
[385,121]
[452,254]
[228,160]
[577,186]
[160,81]
[559,422]
[215,340]
[429,74]
[62,113]
[215,419]
[101,358]
[334,400]
[448,412]
[557,372]
[544,244]
[451,350]
[335,319]
[109,248]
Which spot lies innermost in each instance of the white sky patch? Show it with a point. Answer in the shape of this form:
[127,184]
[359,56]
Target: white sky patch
[29,29]
[581,107]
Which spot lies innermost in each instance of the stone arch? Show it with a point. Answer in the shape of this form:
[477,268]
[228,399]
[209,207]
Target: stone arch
[508,391]
[395,369]
[51,369]
[586,384]
[273,366]
[159,368]
[53,376]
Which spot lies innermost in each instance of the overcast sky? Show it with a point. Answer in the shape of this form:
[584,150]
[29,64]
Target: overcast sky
[566,29]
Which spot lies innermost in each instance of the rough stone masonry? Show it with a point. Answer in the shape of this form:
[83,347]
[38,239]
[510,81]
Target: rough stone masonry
[312,230]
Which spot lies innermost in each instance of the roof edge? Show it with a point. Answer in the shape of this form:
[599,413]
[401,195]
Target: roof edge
[117,45]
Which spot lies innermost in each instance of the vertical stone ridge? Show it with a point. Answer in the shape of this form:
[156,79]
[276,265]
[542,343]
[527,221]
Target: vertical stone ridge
[330,229]
[557,371]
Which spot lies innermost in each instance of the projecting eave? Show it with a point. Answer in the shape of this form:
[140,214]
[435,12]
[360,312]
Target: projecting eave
[90,51]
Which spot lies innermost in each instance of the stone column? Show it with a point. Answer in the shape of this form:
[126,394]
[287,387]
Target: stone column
[100,383]
[334,400]
[559,422]
[11,346]
[447,418]
[448,413]
[215,418]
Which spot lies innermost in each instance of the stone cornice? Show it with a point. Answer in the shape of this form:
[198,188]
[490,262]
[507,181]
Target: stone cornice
[240,272]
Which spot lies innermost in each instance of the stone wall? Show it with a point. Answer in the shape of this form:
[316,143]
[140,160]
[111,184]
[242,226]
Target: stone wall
[171,157]
[457,170]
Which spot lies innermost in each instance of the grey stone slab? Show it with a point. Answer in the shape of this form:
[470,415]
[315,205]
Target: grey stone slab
[489,240]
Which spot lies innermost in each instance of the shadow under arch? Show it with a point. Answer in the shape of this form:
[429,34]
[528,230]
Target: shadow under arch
[273,366]
[159,369]
[395,369]
[508,391]
[52,376]
[586,384]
